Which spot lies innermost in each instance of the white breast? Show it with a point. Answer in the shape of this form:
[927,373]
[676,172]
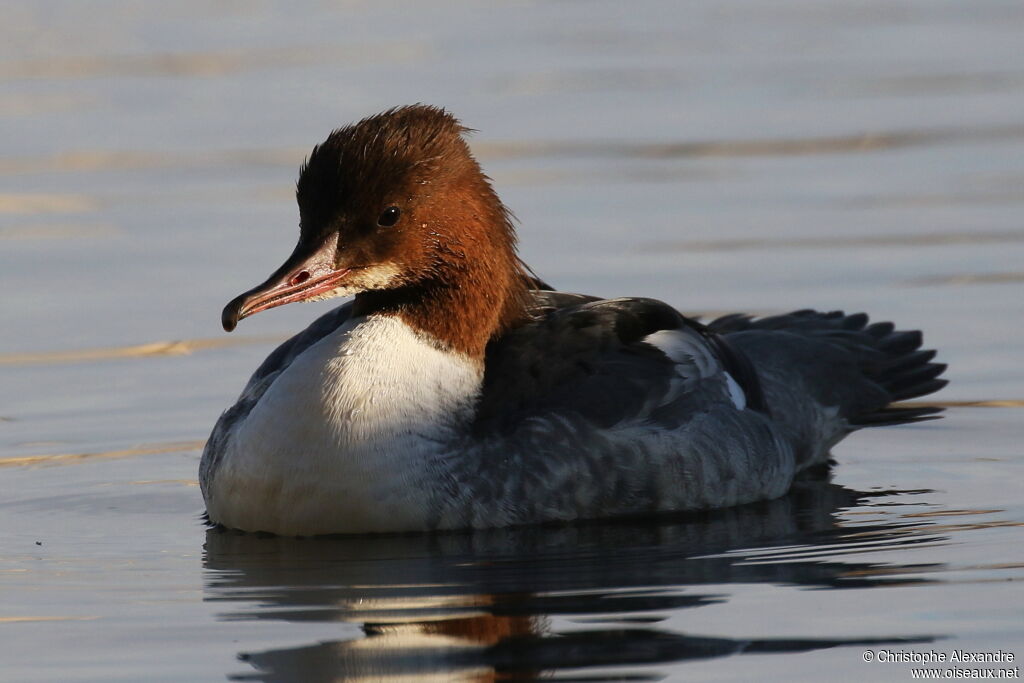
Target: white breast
[349,436]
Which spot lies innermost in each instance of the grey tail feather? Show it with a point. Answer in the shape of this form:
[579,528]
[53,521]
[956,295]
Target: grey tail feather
[892,360]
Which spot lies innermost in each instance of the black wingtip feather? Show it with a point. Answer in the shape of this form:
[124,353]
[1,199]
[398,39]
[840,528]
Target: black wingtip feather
[895,415]
[909,361]
[915,382]
[902,342]
[906,371]
[890,359]
[879,330]
[920,390]
[857,321]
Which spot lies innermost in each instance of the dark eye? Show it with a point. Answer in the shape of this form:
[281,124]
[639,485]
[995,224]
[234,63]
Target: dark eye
[389,217]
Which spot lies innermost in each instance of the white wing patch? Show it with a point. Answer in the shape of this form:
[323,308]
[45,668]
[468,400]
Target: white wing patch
[674,344]
[739,398]
[685,348]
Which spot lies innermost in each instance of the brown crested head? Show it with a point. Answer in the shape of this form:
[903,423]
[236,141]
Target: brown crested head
[396,210]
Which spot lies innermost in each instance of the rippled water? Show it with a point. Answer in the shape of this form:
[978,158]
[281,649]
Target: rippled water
[721,156]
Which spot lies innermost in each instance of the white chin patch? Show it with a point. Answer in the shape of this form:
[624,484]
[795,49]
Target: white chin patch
[363,280]
[380,276]
[346,290]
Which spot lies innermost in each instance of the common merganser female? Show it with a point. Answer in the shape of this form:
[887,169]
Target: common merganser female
[456,391]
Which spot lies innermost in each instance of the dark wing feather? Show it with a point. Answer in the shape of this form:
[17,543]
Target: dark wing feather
[739,367]
[588,357]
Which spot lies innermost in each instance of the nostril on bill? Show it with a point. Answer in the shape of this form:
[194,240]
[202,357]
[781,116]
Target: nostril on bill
[299,278]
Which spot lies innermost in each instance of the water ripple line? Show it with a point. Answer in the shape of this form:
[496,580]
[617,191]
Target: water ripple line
[179,347]
[75,458]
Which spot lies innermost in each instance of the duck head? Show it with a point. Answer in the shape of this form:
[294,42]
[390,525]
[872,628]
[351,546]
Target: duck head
[395,210]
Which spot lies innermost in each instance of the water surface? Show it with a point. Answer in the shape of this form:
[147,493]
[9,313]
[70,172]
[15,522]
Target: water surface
[729,156]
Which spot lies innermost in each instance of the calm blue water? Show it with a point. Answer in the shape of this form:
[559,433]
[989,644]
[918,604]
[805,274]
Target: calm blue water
[722,156]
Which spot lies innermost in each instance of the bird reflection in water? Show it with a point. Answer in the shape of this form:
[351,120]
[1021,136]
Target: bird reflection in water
[480,605]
